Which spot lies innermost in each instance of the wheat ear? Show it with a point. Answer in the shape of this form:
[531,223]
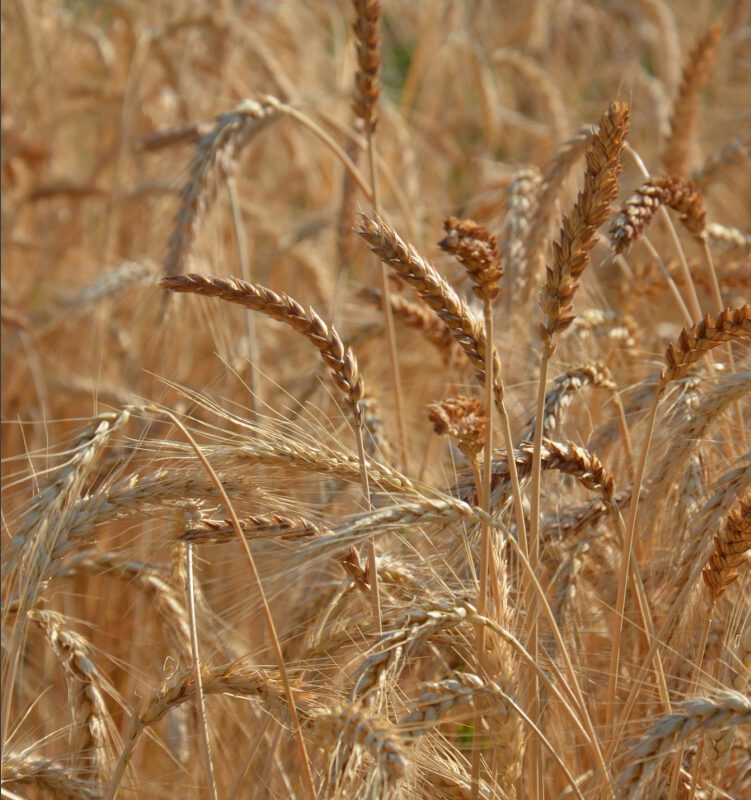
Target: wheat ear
[683,119]
[727,709]
[90,716]
[51,776]
[679,194]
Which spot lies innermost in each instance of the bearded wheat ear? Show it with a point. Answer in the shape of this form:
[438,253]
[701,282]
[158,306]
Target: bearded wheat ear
[571,256]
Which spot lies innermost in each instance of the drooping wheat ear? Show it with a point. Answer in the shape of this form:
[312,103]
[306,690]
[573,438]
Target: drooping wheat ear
[680,194]
[730,325]
[578,231]
[462,418]
[274,526]
[407,632]
[433,289]
[43,534]
[188,133]
[696,70]
[217,149]
[565,457]
[475,247]
[50,776]
[317,459]
[233,679]
[565,582]
[377,446]
[538,233]
[576,519]
[89,740]
[283,308]
[347,729]
[728,238]
[727,709]
[565,388]
[523,196]
[686,438]
[259,526]
[368,43]
[730,547]
[718,742]
[439,698]
[167,602]
[415,315]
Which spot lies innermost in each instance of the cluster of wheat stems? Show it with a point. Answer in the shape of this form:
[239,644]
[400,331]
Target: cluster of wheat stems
[494,542]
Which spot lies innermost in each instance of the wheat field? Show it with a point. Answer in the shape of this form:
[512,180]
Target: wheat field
[375,402]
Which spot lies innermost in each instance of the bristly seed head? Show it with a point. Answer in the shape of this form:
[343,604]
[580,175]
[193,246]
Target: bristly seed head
[476,249]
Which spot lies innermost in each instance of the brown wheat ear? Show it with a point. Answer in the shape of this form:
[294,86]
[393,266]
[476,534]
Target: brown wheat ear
[578,230]
[731,545]
[283,308]
[462,418]
[680,194]
[368,42]
[694,342]
[477,250]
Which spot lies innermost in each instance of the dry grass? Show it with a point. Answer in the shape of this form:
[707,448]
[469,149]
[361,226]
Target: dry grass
[505,554]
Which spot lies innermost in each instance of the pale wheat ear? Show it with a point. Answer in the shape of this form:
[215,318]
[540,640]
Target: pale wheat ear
[696,71]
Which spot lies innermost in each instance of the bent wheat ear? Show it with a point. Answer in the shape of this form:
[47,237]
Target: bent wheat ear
[216,149]
[281,307]
[694,342]
[731,545]
[680,194]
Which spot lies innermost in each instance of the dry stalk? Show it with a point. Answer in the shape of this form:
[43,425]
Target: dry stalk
[367,91]
[571,256]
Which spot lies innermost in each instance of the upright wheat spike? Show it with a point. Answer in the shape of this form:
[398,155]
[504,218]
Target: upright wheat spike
[367,91]
[571,256]
[696,70]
